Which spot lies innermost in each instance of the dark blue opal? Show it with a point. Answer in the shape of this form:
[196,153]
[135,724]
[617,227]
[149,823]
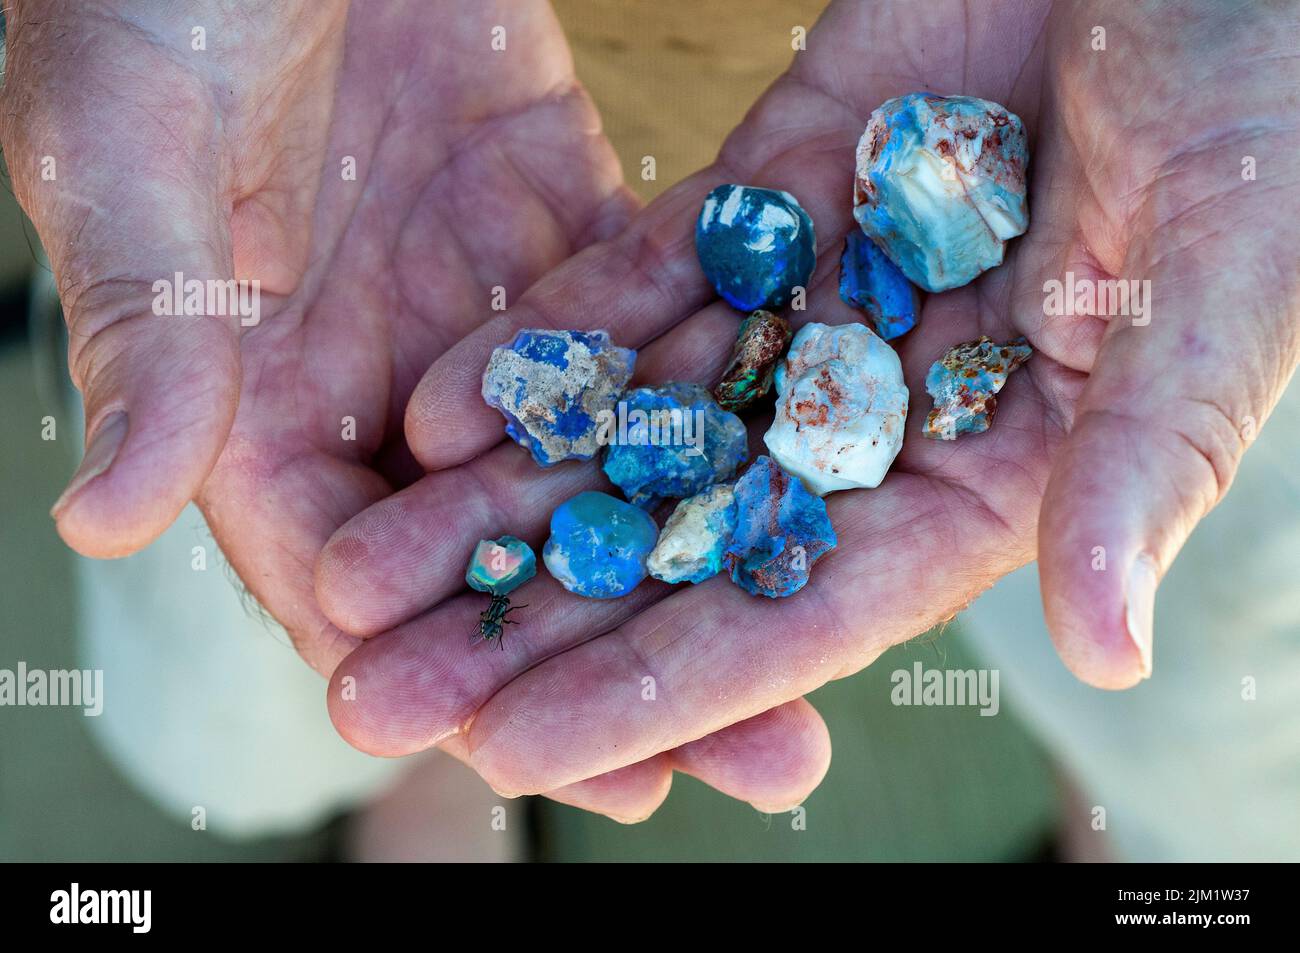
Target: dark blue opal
[870,281]
[671,441]
[755,246]
[781,530]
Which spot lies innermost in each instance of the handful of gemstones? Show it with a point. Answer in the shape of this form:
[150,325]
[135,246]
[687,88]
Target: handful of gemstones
[939,188]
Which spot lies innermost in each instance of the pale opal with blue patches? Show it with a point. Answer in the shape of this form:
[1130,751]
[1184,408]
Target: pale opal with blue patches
[940,185]
[553,388]
[693,541]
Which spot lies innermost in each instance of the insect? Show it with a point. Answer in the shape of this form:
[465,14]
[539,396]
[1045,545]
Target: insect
[492,620]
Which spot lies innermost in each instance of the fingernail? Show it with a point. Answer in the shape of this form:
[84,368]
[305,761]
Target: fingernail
[1140,607]
[100,453]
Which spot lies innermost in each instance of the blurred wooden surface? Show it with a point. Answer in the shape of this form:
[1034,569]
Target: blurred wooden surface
[673,77]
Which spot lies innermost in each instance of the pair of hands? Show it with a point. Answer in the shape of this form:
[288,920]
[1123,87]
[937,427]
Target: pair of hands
[478,169]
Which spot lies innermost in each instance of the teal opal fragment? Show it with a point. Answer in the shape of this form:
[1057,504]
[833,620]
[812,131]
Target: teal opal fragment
[501,565]
[598,545]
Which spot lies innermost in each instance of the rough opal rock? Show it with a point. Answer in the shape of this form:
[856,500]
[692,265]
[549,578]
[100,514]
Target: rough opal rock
[500,565]
[551,386]
[940,185]
[870,281]
[840,409]
[781,530]
[672,441]
[759,345]
[755,246]
[598,545]
[963,384]
[693,540]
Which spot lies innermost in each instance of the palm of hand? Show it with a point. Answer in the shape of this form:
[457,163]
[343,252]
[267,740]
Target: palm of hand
[474,169]
[1119,187]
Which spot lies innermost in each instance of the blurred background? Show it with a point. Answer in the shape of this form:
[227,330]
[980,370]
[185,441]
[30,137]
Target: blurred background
[258,759]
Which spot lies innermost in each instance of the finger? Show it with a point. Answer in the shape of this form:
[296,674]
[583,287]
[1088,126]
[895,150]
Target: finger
[1157,438]
[629,795]
[159,389]
[640,283]
[773,760]
[408,552]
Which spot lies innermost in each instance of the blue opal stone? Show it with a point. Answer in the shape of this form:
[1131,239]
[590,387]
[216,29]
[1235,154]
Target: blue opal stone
[964,383]
[500,565]
[755,246]
[781,530]
[598,545]
[553,387]
[672,441]
[870,281]
[940,185]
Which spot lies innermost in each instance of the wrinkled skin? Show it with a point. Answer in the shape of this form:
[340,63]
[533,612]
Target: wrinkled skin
[1135,173]
[474,169]
[1114,435]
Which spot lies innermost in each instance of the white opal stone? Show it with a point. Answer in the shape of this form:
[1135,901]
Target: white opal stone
[840,410]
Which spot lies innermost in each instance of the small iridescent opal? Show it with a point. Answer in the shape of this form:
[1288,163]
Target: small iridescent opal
[759,345]
[963,384]
[756,246]
[870,281]
[781,530]
[499,566]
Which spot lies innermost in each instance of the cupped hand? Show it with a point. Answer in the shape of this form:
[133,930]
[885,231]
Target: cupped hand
[1114,440]
[380,169]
